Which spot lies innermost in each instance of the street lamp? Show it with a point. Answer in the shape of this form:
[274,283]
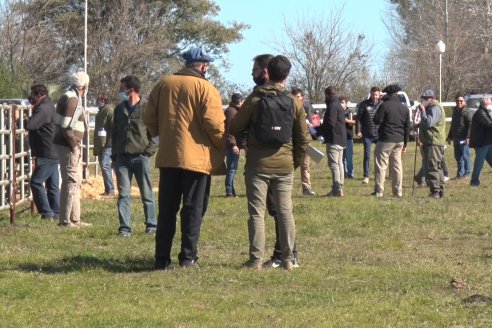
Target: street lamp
[440,49]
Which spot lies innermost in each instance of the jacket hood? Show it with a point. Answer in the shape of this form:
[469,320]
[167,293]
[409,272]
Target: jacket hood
[269,88]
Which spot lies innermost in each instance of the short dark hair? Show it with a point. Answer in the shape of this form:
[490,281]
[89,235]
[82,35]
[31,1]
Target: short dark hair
[131,82]
[345,98]
[459,95]
[39,90]
[263,60]
[104,97]
[374,89]
[279,68]
[331,91]
[297,91]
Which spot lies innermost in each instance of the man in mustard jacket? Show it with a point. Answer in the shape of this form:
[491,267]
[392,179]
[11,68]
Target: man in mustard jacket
[185,113]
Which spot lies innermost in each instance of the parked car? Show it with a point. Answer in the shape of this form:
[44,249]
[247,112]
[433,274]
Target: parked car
[473,101]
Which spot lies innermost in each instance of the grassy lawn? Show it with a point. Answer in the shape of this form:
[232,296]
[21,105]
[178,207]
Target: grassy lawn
[365,262]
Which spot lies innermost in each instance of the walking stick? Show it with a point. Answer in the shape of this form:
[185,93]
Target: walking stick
[416,121]
[415,163]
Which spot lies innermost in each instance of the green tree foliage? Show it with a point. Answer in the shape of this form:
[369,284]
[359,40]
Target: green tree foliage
[138,37]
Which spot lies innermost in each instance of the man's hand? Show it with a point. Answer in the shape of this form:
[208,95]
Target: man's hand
[467,141]
[236,150]
[404,150]
[359,135]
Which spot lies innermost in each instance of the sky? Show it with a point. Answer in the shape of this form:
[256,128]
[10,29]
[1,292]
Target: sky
[266,20]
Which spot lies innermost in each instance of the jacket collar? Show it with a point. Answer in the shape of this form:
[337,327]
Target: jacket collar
[190,71]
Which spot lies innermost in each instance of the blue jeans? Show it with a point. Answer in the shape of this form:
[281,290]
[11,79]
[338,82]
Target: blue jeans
[368,141]
[232,161]
[482,154]
[348,159]
[107,172]
[45,186]
[462,156]
[126,166]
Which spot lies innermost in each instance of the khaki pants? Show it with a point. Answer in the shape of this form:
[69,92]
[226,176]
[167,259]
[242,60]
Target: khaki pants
[256,190]
[335,163]
[71,174]
[305,174]
[388,151]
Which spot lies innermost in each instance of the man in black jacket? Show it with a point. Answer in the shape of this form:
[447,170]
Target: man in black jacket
[481,138]
[366,128]
[393,119]
[335,134]
[459,134]
[45,178]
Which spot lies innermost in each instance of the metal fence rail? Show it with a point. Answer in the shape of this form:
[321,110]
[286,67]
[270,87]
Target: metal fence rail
[16,162]
[15,157]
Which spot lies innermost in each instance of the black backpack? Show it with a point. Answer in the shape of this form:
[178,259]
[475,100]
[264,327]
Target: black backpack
[275,119]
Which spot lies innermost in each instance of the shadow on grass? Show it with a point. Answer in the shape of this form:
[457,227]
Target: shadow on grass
[81,263]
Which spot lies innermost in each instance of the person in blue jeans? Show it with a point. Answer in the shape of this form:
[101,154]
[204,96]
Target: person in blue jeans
[348,151]
[102,141]
[45,183]
[481,139]
[459,134]
[233,146]
[365,127]
[132,148]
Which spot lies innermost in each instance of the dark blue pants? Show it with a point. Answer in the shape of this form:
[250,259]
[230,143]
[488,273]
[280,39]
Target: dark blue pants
[232,161]
[193,190]
[45,186]
[368,141]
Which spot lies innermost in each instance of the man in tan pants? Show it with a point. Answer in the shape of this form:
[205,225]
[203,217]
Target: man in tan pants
[394,122]
[70,131]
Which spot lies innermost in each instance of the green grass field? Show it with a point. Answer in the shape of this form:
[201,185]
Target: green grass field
[365,262]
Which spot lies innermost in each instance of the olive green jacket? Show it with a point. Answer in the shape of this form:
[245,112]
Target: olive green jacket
[130,135]
[104,121]
[267,158]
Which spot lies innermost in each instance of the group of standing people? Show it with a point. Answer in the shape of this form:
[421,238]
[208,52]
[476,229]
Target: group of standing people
[271,124]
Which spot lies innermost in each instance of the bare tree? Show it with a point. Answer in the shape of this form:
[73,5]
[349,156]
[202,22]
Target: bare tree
[324,52]
[44,38]
[418,25]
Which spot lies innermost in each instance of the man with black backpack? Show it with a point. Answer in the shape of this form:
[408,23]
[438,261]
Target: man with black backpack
[277,141]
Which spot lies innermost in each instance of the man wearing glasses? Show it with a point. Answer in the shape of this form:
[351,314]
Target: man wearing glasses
[459,134]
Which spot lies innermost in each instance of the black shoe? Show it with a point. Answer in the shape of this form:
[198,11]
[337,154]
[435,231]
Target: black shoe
[441,194]
[273,262]
[435,194]
[165,265]
[189,264]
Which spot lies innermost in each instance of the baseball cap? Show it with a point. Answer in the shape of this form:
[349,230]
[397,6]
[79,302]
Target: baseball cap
[428,94]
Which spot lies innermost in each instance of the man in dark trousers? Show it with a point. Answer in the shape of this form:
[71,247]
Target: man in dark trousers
[185,112]
[45,177]
[393,119]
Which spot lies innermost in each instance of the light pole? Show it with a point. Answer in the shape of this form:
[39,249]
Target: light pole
[440,49]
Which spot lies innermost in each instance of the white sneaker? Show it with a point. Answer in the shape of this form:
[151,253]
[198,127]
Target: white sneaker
[365,181]
[446,179]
